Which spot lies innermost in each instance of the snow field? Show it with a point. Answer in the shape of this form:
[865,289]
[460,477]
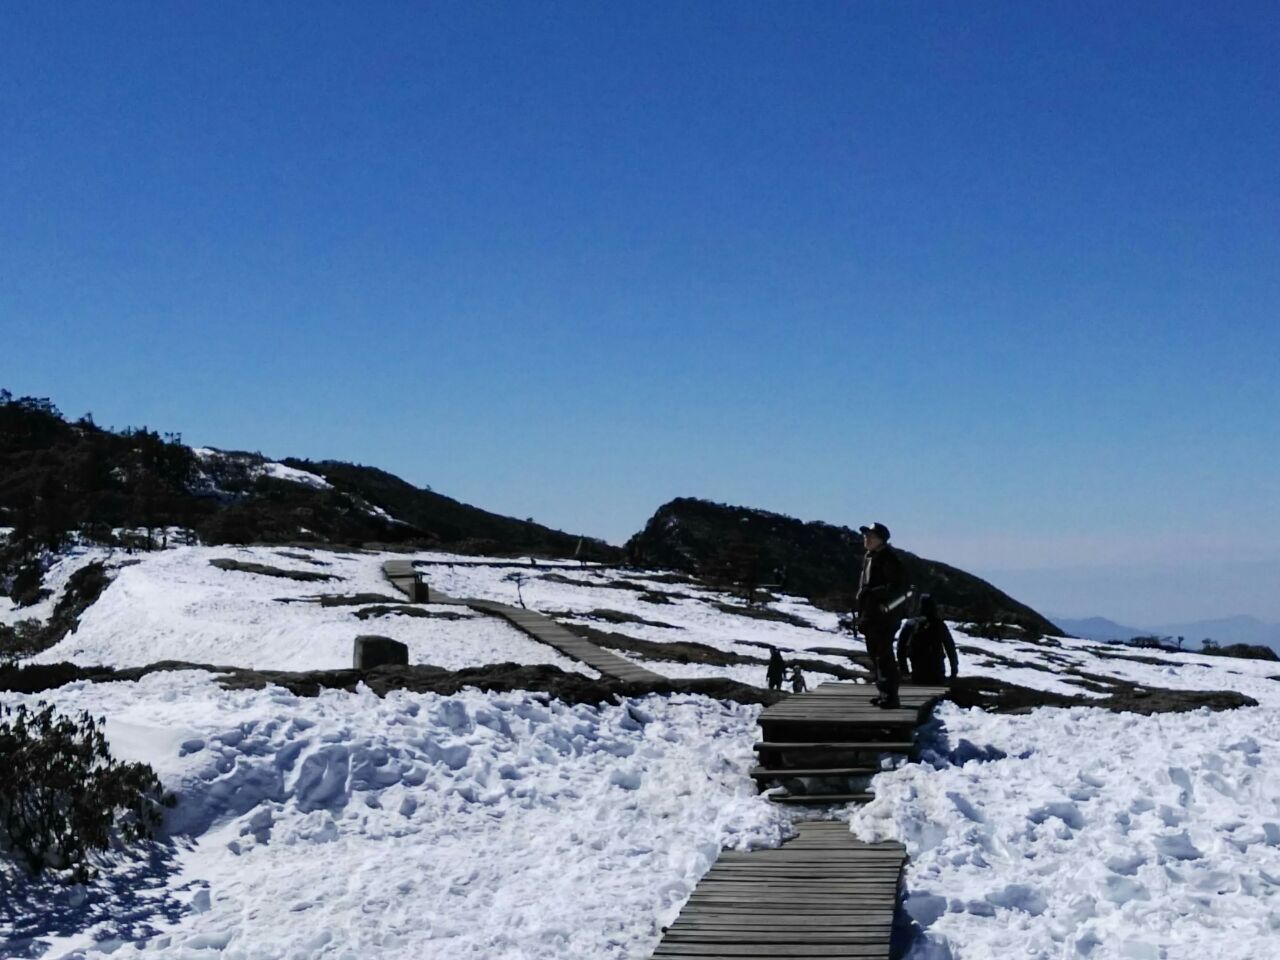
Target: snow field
[471,826]
[1174,671]
[1079,833]
[173,605]
[508,826]
[691,611]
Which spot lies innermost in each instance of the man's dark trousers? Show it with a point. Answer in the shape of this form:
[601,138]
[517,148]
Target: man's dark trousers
[883,662]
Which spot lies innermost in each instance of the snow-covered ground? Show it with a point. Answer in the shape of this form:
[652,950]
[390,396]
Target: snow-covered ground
[1079,833]
[418,826]
[512,826]
[691,614]
[174,605]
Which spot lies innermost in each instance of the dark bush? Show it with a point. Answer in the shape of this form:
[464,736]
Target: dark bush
[28,584]
[65,798]
[36,677]
[1245,651]
[24,638]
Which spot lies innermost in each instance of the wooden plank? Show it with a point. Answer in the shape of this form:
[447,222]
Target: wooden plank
[740,926]
[868,935]
[766,873]
[779,921]
[821,799]
[776,916]
[853,950]
[817,855]
[822,885]
[884,746]
[825,880]
[535,625]
[746,932]
[823,894]
[883,892]
[780,772]
[792,851]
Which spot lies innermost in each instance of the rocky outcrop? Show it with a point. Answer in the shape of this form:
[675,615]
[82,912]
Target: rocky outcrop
[820,561]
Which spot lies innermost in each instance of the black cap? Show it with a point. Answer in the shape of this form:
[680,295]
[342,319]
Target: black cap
[879,529]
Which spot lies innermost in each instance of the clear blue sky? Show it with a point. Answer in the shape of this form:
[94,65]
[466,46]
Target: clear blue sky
[1005,275]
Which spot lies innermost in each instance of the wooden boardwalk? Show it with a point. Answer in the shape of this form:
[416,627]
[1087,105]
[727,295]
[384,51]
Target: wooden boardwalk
[824,747]
[402,575]
[822,894]
[846,708]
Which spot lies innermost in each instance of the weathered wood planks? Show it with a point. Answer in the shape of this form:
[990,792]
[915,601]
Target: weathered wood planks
[824,746]
[402,575]
[570,644]
[842,706]
[822,894]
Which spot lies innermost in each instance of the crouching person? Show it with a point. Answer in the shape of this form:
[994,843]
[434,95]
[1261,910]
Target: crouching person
[798,684]
[924,643]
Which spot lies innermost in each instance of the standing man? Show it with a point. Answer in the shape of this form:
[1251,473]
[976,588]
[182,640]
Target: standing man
[882,597]
[777,669]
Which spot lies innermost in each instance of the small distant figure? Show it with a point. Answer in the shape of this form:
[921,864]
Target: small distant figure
[777,670]
[797,680]
[924,642]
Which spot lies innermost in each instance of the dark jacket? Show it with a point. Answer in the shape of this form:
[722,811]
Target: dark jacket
[883,580]
[776,671]
[924,642]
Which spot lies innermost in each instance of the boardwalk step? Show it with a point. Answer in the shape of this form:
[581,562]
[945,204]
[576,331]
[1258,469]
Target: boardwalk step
[781,772]
[822,894]
[884,746]
[820,798]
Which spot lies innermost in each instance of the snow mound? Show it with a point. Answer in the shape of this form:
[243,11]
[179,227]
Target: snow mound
[471,826]
[1079,833]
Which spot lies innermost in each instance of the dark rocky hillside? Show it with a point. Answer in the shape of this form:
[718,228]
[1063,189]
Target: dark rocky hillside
[59,477]
[742,546]
[450,522]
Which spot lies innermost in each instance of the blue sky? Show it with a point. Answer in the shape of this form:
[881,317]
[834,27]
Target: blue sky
[1006,276]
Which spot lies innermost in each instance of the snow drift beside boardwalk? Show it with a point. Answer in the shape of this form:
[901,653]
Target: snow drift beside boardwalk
[418,826]
[1079,833]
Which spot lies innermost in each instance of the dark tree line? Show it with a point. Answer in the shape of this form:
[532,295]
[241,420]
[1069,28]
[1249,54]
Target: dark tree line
[61,478]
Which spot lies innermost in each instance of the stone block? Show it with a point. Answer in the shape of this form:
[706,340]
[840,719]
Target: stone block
[371,651]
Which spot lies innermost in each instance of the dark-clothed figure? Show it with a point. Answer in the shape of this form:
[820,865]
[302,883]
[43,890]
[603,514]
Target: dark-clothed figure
[882,598]
[923,644]
[777,670]
[797,680]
